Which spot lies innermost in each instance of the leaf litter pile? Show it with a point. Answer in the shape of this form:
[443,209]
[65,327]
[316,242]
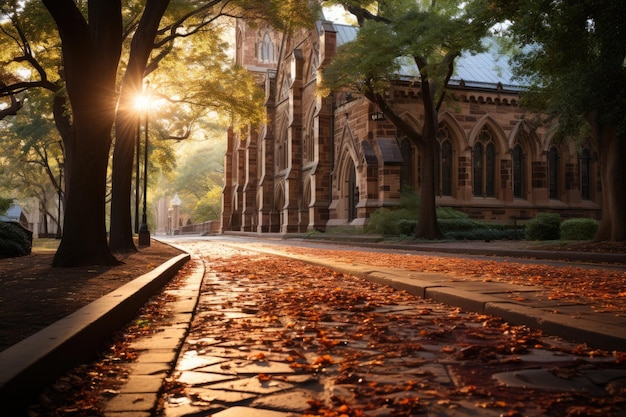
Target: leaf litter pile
[281,334]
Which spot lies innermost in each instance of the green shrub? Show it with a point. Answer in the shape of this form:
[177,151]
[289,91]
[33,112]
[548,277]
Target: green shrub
[14,240]
[545,226]
[578,229]
[387,222]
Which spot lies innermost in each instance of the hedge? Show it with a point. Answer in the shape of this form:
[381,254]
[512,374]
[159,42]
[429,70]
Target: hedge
[578,229]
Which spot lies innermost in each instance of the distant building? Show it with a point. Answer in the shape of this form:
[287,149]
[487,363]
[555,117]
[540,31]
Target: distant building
[328,161]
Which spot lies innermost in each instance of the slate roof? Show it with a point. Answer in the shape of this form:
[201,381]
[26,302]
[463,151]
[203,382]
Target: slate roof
[483,70]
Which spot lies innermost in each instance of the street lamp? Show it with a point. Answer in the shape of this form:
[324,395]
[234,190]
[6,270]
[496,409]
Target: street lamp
[143,103]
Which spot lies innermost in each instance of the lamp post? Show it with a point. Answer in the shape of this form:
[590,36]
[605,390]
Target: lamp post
[144,233]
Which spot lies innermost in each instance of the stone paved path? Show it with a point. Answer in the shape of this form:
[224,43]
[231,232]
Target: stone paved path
[275,337]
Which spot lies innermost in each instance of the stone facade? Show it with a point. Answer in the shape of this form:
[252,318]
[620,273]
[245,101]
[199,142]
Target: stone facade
[332,160]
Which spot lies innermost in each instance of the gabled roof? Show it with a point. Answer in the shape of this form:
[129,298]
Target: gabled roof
[483,70]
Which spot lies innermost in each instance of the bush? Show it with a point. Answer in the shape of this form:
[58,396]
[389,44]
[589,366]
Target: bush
[545,226]
[14,240]
[387,222]
[578,229]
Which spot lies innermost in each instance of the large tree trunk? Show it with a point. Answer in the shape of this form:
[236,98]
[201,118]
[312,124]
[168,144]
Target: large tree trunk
[612,152]
[126,121]
[91,53]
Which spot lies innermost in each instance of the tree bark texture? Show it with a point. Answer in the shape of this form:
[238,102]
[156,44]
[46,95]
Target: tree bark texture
[91,53]
[612,153]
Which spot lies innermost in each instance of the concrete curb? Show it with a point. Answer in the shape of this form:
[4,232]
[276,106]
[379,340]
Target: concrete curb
[31,364]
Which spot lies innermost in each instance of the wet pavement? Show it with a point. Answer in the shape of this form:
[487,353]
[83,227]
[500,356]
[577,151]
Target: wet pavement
[277,337]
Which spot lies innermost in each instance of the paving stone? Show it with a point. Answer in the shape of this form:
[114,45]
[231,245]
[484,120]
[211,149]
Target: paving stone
[191,360]
[142,384]
[293,401]
[201,378]
[544,379]
[157,356]
[251,412]
[132,402]
[222,396]
[247,367]
[149,368]
[253,385]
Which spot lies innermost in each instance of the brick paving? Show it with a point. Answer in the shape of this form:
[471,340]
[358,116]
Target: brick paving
[284,344]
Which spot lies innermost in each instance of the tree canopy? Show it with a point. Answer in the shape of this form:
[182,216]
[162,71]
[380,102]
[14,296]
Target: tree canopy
[79,52]
[573,55]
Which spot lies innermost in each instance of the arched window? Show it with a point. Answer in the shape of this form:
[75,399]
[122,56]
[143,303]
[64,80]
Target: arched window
[353,193]
[585,181]
[553,173]
[518,172]
[267,49]
[443,163]
[484,165]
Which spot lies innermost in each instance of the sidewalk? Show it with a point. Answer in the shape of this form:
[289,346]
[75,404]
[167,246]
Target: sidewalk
[234,362]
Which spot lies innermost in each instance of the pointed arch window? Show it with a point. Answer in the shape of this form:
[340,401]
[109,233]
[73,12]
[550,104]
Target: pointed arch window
[518,172]
[553,172]
[353,193]
[484,165]
[267,49]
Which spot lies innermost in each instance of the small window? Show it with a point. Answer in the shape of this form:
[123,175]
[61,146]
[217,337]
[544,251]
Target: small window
[484,165]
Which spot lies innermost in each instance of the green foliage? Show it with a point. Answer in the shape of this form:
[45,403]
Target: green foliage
[14,241]
[5,203]
[578,229]
[402,220]
[545,226]
[573,53]
[467,229]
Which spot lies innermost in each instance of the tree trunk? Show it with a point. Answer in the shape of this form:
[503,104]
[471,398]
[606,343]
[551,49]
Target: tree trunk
[126,122]
[121,229]
[427,226]
[91,53]
[612,153]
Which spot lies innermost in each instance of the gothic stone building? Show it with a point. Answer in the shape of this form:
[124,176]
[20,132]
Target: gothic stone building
[333,160]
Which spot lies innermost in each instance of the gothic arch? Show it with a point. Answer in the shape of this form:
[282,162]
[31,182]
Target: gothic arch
[499,135]
[409,118]
[524,133]
[457,134]
[347,185]
[347,144]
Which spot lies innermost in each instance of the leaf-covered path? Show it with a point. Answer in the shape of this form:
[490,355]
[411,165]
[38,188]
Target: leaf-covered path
[290,338]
